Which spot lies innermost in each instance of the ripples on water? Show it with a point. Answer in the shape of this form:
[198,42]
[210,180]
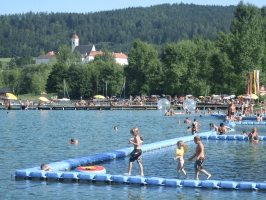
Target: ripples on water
[30,138]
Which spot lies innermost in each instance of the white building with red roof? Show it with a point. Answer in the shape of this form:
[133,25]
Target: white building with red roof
[45,58]
[88,52]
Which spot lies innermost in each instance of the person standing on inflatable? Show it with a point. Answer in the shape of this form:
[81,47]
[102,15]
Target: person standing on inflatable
[180,150]
[199,154]
[136,154]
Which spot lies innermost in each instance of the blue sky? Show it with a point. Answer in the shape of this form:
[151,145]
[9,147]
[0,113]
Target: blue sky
[86,6]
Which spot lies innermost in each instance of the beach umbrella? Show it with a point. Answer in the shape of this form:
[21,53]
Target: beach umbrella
[201,97]
[262,94]
[254,96]
[216,97]
[11,96]
[213,95]
[240,96]
[43,99]
[98,97]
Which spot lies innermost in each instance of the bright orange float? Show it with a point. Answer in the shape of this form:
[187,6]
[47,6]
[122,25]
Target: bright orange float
[91,169]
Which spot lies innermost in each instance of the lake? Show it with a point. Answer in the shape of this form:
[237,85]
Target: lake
[30,138]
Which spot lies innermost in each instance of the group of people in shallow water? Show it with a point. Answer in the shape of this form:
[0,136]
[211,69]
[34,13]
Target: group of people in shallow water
[195,126]
[222,130]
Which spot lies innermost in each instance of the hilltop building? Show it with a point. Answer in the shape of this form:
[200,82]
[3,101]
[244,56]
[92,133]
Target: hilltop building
[45,58]
[88,52]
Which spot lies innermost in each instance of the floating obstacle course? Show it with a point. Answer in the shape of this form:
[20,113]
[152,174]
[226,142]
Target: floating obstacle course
[59,173]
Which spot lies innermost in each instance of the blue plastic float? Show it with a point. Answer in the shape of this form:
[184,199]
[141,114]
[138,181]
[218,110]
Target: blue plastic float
[250,123]
[59,174]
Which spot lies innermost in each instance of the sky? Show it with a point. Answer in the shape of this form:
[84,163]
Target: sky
[87,6]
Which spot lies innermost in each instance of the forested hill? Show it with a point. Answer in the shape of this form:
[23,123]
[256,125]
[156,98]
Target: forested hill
[31,33]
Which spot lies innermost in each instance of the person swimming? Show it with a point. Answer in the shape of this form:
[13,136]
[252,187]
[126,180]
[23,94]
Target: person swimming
[221,129]
[115,128]
[253,136]
[73,141]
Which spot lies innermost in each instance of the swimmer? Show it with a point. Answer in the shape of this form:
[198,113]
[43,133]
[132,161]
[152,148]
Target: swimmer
[239,118]
[194,129]
[187,121]
[45,167]
[244,133]
[178,121]
[221,129]
[136,154]
[188,128]
[115,128]
[253,136]
[179,156]
[212,125]
[259,118]
[73,141]
[200,157]
[197,124]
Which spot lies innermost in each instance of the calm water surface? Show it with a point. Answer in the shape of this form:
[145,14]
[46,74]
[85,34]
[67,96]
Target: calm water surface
[30,138]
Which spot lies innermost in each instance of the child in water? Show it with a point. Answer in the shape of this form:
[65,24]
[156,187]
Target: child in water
[136,154]
[180,150]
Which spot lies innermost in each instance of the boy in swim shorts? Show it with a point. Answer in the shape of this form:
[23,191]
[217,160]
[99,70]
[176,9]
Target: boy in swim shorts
[199,154]
[136,154]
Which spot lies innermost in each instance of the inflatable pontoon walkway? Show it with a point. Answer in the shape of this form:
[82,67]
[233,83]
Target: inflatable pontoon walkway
[57,174]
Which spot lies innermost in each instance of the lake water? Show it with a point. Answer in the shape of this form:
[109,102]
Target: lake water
[30,138]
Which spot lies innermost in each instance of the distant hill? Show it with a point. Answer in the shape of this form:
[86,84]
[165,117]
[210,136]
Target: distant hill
[31,33]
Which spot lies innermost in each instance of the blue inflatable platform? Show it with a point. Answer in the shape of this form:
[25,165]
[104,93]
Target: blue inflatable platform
[59,168]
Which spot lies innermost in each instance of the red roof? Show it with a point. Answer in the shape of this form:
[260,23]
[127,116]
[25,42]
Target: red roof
[50,53]
[95,53]
[75,36]
[119,55]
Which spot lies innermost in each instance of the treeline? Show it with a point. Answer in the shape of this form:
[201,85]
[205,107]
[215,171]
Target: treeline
[190,66]
[31,34]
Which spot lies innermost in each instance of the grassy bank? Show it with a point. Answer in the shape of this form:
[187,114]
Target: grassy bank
[5,62]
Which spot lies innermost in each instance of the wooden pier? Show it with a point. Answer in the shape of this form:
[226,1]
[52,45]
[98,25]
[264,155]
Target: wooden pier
[149,106]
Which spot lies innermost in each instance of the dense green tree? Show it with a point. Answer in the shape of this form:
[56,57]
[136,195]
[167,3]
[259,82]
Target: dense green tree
[248,43]
[110,74]
[65,55]
[144,70]
[12,64]
[224,78]
[39,79]
[55,81]
[79,81]
[2,82]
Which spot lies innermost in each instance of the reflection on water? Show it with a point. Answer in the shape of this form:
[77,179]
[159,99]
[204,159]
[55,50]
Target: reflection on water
[30,138]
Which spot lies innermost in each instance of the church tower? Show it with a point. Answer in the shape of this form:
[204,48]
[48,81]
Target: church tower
[74,42]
